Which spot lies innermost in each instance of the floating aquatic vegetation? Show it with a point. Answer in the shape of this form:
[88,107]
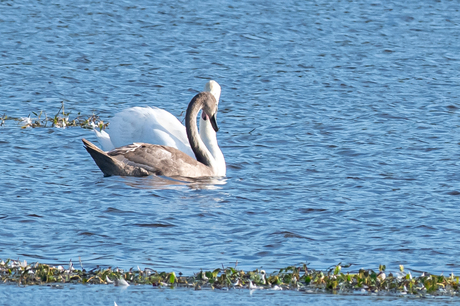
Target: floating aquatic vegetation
[291,278]
[62,119]
[2,119]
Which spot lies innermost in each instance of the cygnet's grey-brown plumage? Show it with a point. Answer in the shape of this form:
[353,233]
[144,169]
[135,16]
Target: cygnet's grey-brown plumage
[142,159]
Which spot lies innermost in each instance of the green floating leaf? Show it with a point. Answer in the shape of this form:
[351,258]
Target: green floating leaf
[172,278]
[215,273]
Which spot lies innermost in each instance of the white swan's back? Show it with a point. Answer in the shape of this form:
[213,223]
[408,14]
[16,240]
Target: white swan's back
[150,125]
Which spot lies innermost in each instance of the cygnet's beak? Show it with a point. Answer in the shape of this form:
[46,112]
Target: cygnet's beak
[214,123]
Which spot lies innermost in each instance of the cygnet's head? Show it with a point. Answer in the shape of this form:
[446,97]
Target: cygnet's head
[214,88]
[209,108]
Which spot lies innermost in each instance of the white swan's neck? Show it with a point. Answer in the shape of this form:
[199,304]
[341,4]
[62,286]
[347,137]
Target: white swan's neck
[209,137]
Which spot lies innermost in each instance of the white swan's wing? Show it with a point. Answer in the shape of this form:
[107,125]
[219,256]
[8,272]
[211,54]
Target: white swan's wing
[104,140]
[148,125]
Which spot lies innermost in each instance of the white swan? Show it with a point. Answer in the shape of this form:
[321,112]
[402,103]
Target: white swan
[141,159]
[157,126]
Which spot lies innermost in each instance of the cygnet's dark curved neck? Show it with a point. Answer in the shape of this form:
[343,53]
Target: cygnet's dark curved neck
[197,145]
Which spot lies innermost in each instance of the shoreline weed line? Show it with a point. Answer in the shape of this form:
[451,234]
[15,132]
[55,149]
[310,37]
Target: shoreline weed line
[290,278]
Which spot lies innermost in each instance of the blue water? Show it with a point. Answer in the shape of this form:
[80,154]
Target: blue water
[145,295]
[338,121]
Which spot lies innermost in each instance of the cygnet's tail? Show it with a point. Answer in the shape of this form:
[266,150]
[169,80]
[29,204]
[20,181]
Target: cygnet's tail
[108,165]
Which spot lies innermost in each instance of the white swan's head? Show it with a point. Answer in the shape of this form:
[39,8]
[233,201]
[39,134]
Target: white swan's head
[214,88]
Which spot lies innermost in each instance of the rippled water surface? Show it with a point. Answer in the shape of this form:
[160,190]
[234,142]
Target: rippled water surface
[145,295]
[339,124]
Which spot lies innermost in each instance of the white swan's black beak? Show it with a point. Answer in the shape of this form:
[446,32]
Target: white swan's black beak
[214,123]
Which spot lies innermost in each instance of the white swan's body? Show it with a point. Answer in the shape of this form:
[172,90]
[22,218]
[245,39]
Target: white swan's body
[157,126]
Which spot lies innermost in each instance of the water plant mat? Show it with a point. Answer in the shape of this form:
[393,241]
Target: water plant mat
[301,278]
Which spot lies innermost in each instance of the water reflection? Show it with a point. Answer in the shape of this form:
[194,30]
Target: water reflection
[165,183]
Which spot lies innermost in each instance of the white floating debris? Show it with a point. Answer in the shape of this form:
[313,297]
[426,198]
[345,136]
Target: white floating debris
[26,121]
[121,282]
[262,275]
[71,268]
[253,286]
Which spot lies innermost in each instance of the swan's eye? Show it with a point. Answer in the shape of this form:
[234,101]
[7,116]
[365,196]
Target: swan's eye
[204,116]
